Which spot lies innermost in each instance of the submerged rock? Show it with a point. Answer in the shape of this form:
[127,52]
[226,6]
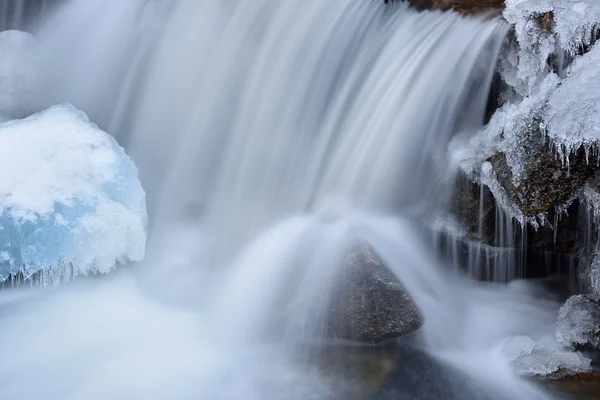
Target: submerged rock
[578,324]
[371,304]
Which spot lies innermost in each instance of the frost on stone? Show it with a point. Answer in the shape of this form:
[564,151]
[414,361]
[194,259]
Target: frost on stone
[573,112]
[536,359]
[549,110]
[508,132]
[508,129]
[17,75]
[488,178]
[549,27]
[578,323]
[535,44]
[69,197]
[515,123]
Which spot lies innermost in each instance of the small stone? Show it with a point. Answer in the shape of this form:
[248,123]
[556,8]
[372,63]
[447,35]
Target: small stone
[371,305]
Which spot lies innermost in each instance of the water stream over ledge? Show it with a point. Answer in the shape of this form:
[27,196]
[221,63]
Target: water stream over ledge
[270,136]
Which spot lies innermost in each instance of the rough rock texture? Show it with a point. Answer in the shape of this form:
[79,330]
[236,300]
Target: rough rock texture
[371,305]
[462,6]
[546,182]
[578,323]
[585,386]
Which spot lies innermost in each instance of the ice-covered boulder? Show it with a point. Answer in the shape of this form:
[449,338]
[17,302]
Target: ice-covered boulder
[573,112]
[70,199]
[536,359]
[370,304]
[18,78]
[578,323]
[546,29]
[541,143]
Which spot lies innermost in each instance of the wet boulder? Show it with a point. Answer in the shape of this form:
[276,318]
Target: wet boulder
[546,182]
[370,304]
[578,324]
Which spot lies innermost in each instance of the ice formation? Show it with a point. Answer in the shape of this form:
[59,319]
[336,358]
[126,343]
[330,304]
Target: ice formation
[506,132]
[17,75]
[592,278]
[547,100]
[70,200]
[578,323]
[536,359]
[573,112]
[544,28]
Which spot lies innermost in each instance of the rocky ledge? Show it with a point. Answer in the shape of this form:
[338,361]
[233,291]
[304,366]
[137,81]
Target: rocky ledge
[462,6]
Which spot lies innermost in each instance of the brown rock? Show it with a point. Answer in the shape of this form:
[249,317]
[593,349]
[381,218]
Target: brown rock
[461,6]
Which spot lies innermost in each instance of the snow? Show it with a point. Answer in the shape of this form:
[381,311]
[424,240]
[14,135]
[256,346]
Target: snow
[17,76]
[536,359]
[69,197]
[578,323]
[573,112]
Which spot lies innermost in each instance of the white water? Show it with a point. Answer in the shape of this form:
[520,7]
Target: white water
[14,14]
[270,136]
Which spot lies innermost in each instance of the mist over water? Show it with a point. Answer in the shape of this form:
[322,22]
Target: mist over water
[271,137]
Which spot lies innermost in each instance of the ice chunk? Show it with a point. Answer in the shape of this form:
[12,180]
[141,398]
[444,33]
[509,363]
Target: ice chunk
[509,128]
[17,75]
[69,196]
[573,112]
[536,359]
[535,43]
[508,132]
[549,27]
[578,323]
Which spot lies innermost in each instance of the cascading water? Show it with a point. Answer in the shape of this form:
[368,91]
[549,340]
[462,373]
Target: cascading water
[271,137]
[14,14]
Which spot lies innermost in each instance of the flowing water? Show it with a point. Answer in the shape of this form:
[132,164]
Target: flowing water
[14,14]
[271,136]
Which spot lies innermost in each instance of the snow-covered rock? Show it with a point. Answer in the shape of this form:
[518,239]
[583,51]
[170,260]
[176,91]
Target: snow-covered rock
[540,140]
[536,359]
[17,75]
[70,199]
[578,323]
[573,113]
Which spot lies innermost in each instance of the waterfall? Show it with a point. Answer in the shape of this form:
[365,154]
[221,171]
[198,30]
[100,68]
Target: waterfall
[271,136]
[15,14]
